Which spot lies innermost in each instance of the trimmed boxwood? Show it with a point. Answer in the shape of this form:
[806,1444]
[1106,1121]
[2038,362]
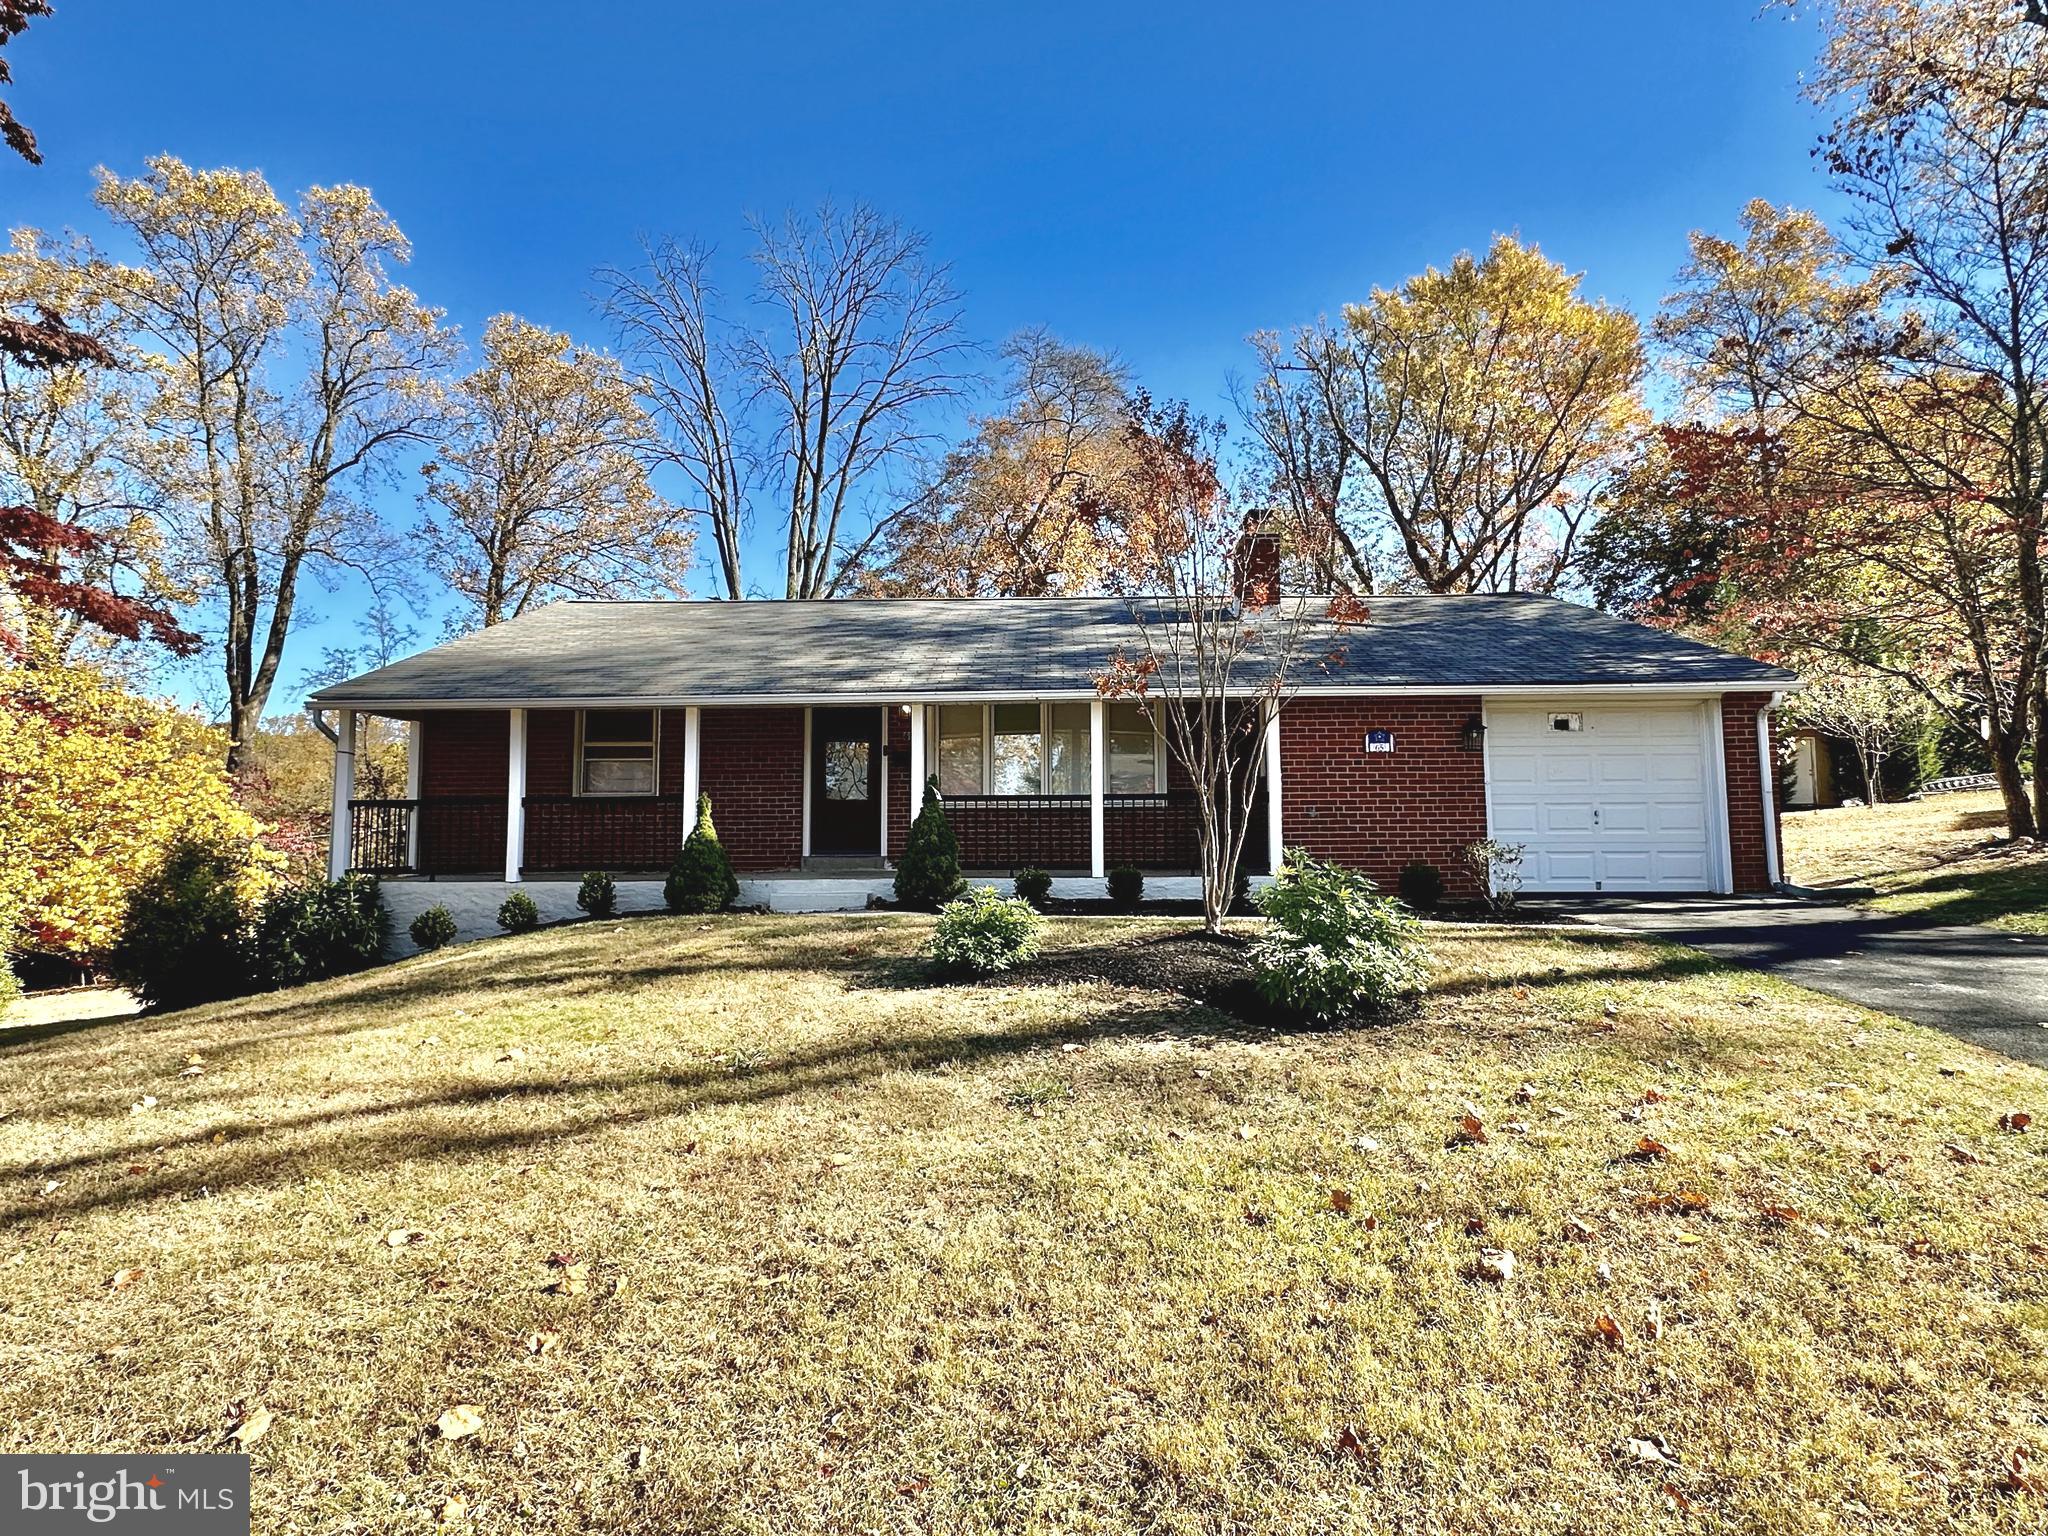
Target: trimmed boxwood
[1034,886]
[433,927]
[598,894]
[518,914]
[1126,884]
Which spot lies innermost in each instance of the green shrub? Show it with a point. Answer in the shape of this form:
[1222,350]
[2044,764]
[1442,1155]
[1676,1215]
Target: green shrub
[1422,885]
[433,927]
[701,879]
[10,985]
[598,894]
[928,874]
[518,914]
[1034,886]
[184,937]
[1335,946]
[983,933]
[320,929]
[1126,885]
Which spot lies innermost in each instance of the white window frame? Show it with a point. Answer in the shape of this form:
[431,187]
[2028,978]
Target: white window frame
[1045,707]
[583,740]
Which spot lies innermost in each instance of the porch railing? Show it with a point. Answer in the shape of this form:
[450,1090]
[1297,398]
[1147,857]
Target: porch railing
[616,832]
[445,835]
[1157,832]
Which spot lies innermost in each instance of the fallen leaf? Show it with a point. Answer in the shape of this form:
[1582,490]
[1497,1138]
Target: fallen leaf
[561,1260]
[1069,1047]
[1349,1441]
[251,1428]
[618,1285]
[147,1101]
[1496,1264]
[404,1237]
[515,1054]
[1608,1331]
[543,1342]
[193,1072]
[455,1509]
[636,1458]
[1526,1094]
[1651,1096]
[123,1278]
[1577,1231]
[2015,1121]
[1961,1154]
[1649,1150]
[1687,1202]
[1370,1222]
[463,1419]
[1653,1321]
[1783,1215]
[1516,1127]
[1671,1494]
[1254,1217]
[574,1281]
[1245,1133]
[913,1485]
[195,1059]
[1647,1450]
[1470,1132]
[1340,1201]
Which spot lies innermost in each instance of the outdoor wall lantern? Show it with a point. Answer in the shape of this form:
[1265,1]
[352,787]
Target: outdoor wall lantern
[1473,737]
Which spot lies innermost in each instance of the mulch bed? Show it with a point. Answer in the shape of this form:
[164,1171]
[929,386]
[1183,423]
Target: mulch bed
[1210,968]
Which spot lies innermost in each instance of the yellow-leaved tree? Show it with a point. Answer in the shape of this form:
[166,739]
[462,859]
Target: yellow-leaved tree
[96,784]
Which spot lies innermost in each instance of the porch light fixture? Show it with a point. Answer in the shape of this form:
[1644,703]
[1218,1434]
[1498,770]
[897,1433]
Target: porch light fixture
[1473,737]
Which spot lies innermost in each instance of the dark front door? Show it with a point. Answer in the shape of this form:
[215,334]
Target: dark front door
[846,781]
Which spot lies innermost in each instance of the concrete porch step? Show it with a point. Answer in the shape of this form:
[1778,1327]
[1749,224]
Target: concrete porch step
[844,864]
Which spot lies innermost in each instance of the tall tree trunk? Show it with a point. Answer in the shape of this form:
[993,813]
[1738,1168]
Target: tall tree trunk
[2012,784]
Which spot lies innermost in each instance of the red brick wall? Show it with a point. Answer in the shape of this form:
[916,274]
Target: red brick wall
[1378,811]
[550,751]
[752,767]
[464,752]
[1746,830]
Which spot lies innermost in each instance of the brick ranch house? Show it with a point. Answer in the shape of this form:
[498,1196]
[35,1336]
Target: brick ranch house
[576,737]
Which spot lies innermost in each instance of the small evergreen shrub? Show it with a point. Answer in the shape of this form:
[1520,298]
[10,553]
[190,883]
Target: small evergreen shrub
[518,914]
[319,929]
[983,933]
[1034,886]
[1126,885]
[598,894]
[1422,885]
[185,938]
[1335,947]
[701,879]
[433,928]
[928,874]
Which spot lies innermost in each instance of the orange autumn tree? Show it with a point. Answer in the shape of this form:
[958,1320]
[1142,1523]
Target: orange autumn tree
[1220,646]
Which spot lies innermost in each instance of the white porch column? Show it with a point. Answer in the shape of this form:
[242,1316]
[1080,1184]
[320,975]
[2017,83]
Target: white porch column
[1767,772]
[515,796]
[917,773]
[1275,839]
[1098,778]
[693,748]
[341,831]
[414,764]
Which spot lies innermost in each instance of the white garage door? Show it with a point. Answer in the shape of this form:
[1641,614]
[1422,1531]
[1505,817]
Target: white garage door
[1603,798]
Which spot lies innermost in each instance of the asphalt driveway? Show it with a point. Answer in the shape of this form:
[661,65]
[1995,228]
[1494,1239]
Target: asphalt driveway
[1980,984]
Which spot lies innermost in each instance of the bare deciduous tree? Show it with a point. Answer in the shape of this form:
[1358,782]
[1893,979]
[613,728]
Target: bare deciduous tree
[662,315]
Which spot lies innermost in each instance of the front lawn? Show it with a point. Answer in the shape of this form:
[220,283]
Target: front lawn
[1936,858]
[735,1225]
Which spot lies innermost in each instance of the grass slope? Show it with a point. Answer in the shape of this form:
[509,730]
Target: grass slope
[1932,858]
[866,1254]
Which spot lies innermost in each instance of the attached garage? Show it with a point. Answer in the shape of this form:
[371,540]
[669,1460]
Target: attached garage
[1609,797]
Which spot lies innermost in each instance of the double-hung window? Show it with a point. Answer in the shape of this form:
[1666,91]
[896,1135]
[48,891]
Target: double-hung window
[1032,749]
[616,752]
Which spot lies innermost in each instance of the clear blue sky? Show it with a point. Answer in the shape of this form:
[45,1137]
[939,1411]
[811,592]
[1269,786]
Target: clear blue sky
[1159,180]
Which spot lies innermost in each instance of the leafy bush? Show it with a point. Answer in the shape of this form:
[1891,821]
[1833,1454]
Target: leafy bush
[186,937]
[598,894]
[928,874]
[518,914]
[10,985]
[319,929]
[1498,867]
[433,927]
[1335,947]
[1422,885]
[1034,886]
[1126,886]
[701,879]
[983,933]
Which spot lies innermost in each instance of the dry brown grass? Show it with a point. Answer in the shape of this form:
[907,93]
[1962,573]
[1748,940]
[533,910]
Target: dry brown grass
[893,1257]
[1939,858]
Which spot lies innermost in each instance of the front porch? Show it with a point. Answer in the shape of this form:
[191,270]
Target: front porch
[799,791]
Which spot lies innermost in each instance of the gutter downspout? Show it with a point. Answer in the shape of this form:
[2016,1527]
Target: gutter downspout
[1767,779]
[319,719]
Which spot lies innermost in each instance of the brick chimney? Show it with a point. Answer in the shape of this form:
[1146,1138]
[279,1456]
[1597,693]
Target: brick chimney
[1255,567]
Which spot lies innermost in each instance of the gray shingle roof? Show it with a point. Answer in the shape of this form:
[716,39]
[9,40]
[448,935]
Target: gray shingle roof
[678,652]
